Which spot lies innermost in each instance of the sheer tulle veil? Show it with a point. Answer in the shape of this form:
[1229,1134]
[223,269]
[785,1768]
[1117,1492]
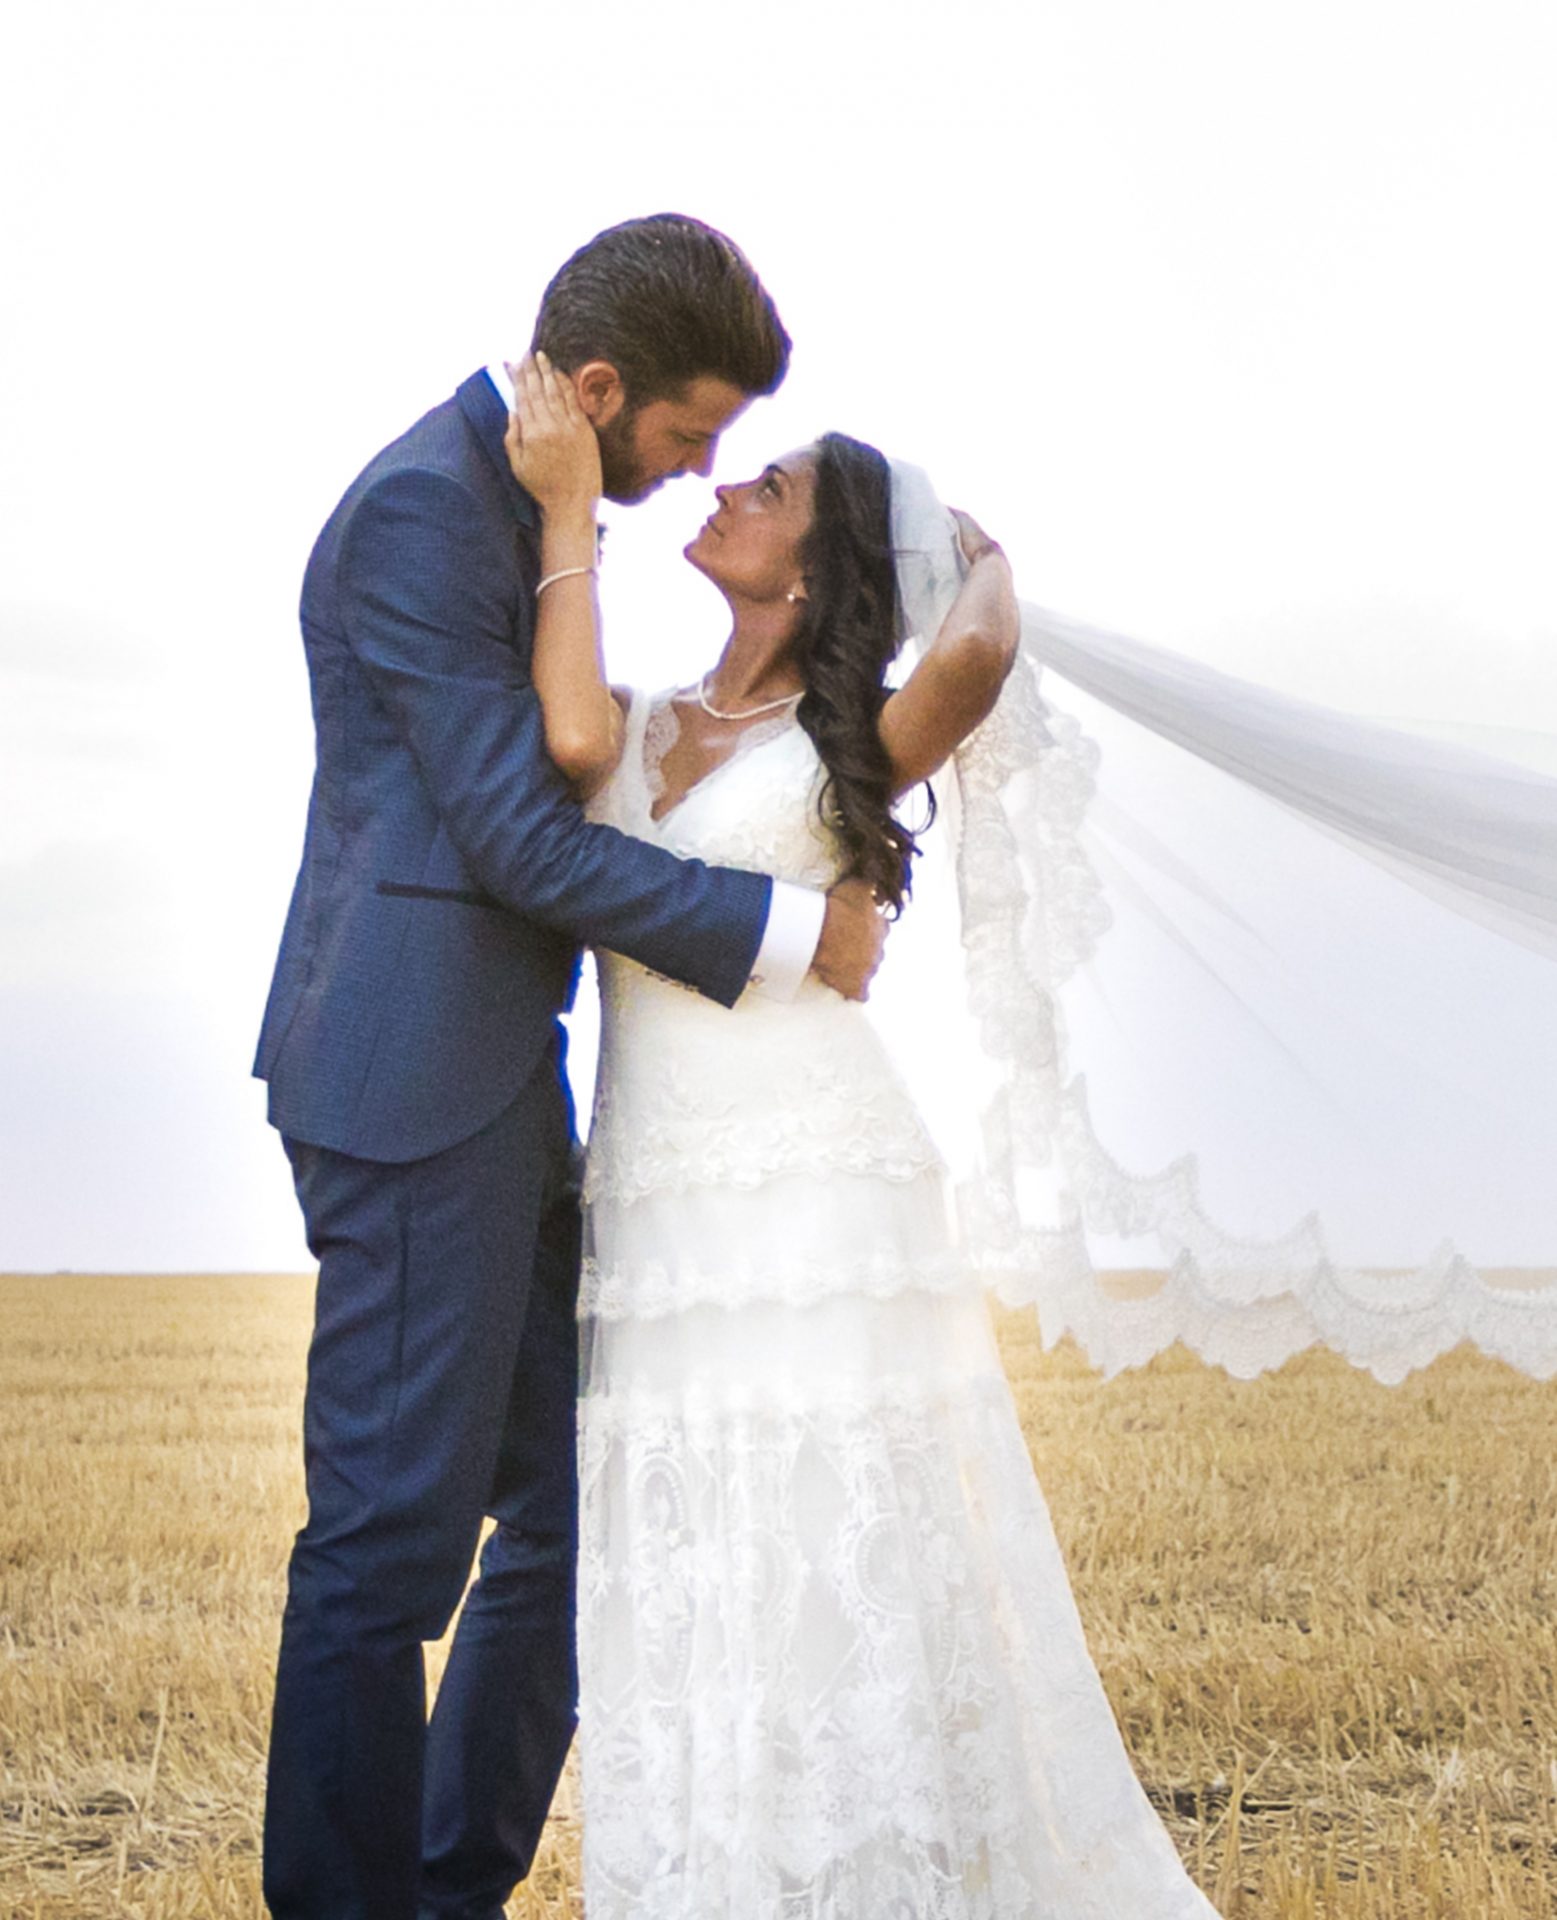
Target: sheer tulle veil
[1260,1046]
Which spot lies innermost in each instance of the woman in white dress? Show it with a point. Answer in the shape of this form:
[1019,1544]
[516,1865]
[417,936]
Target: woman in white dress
[830,1665]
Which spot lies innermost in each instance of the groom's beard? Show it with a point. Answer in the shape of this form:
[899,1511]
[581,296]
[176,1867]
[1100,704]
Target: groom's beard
[624,477]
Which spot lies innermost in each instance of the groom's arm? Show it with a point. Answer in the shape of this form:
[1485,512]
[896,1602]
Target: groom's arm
[428,612]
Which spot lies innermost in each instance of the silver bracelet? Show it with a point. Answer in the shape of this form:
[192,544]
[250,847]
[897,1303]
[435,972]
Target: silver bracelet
[562,573]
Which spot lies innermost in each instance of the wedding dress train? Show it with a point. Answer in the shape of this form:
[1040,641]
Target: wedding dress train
[830,1664]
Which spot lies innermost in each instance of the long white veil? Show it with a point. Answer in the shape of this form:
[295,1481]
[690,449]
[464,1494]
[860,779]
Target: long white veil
[1264,1011]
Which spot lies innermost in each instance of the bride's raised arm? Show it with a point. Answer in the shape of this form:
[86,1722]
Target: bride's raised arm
[956,684]
[556,458]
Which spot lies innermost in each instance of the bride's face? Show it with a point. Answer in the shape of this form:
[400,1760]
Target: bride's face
[750,545]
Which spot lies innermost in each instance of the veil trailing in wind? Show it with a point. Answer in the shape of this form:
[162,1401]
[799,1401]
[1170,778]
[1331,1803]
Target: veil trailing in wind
[1262,1048]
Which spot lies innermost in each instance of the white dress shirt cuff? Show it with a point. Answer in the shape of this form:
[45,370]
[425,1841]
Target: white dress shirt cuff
[789,940]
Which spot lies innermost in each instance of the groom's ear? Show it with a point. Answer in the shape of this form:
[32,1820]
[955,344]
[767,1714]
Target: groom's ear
[600,392]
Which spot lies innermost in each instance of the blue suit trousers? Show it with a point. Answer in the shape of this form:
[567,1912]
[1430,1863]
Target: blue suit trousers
[441,1386]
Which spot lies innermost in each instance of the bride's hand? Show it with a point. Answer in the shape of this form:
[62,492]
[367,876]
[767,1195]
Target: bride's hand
[972,538]
[551,445]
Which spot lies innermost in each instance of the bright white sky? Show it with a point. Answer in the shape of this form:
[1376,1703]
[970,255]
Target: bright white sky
[1232,318]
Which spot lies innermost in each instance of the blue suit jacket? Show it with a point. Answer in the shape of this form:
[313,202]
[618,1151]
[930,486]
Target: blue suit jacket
[447,874]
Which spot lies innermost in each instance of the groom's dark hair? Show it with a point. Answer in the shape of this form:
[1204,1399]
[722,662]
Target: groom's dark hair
[666,300]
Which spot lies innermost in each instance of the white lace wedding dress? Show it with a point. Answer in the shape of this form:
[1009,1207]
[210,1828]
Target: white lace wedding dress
[830,1664]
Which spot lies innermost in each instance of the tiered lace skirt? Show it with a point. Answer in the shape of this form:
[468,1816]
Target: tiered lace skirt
[830,1664]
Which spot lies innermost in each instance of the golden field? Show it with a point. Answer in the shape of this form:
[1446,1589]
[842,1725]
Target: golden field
[1326,1612]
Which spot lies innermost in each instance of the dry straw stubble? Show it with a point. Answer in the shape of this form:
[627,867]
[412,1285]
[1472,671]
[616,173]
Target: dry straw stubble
[1326,1612]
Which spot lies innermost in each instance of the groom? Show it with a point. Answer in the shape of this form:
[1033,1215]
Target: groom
[415,1067]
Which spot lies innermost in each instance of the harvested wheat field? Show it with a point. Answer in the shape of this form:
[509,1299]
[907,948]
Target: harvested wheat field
[1326,1612]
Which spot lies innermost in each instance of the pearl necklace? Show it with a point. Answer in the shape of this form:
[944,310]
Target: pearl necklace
[750,713]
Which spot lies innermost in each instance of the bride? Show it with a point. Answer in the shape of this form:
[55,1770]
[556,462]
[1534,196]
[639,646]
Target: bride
[830,1665]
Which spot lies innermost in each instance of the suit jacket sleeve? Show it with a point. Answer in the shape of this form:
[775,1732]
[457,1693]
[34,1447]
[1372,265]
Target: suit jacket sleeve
[428,612]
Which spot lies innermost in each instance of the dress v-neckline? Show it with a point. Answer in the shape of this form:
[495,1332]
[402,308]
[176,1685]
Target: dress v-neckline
[769,729]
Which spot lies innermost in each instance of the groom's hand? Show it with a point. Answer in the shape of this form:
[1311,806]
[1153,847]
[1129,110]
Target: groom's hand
[854,932]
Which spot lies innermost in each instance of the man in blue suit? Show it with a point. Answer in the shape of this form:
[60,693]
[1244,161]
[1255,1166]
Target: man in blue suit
[415,1061]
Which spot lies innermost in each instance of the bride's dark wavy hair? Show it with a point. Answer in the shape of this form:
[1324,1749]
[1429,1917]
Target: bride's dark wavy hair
[848,637]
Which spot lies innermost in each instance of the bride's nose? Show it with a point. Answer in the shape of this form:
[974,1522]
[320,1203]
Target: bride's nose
[722,494]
